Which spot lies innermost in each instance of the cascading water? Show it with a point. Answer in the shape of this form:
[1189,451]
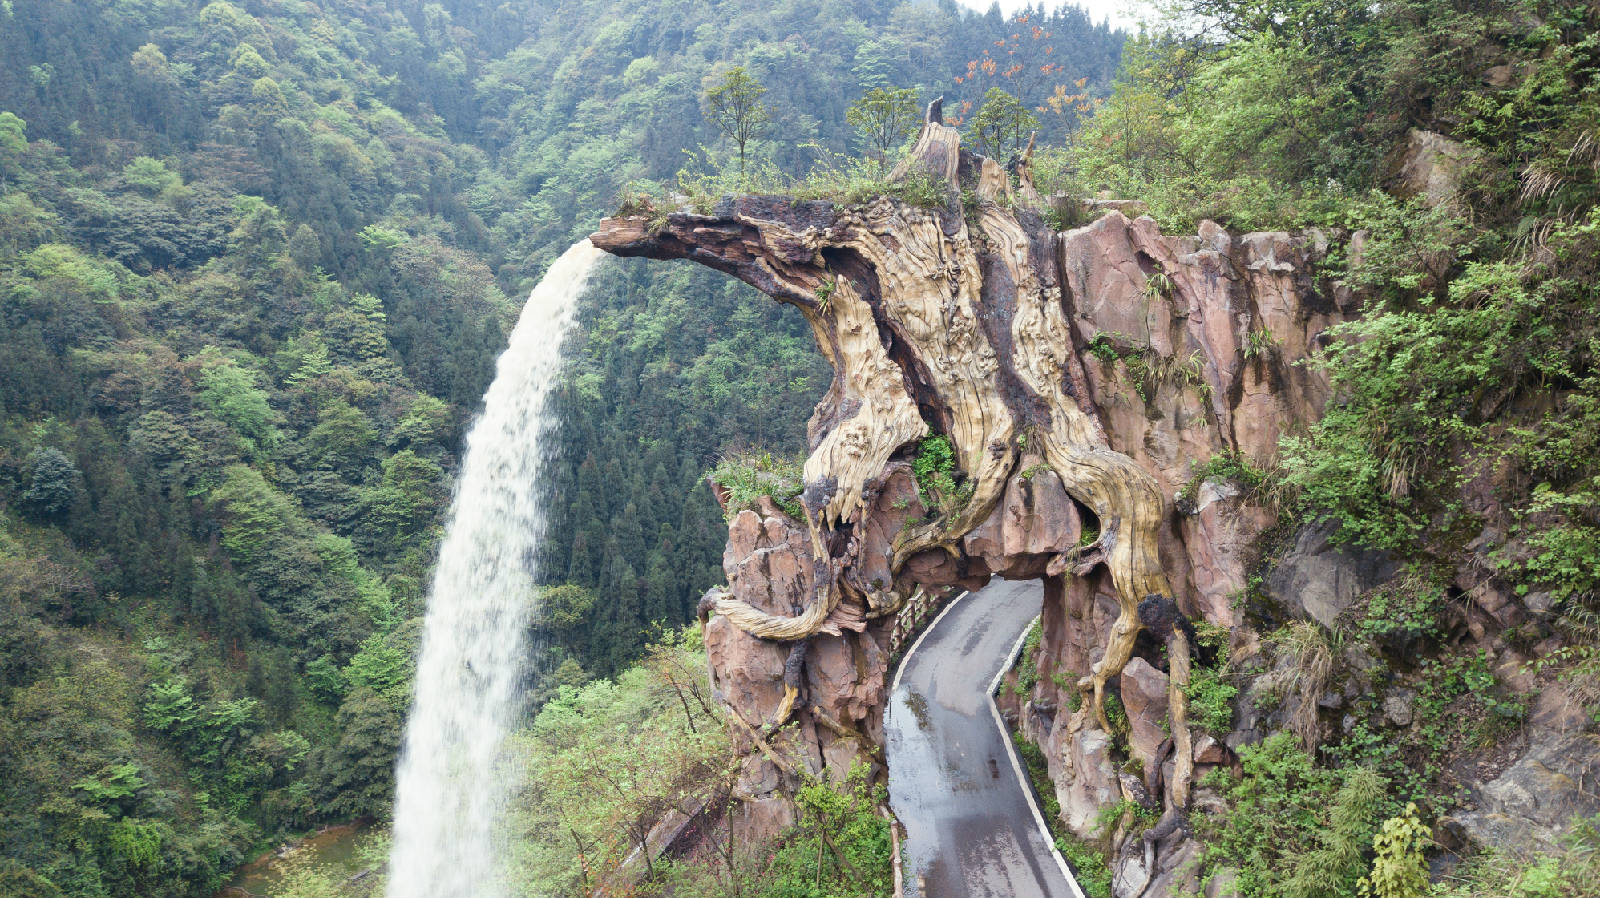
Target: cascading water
[448,790]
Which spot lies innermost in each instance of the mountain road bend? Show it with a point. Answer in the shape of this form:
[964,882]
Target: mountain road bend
[954,778]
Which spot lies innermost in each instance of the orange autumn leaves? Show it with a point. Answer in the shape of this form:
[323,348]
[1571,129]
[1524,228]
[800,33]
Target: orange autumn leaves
[1022,64]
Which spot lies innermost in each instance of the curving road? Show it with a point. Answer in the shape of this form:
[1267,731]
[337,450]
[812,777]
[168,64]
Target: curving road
[954,780]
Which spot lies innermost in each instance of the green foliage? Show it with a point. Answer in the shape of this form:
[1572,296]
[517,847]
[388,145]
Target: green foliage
[606,759]
[1567,872]
[734,106]
[831,177]
[885,118]
[1459,707]
[1089,866]
[230,393]
[1227,465]
[1126,814]
[750,476]
[1211,695]
[840,845]
[52,481]
[1399,870]
[382,668]
[1405,609]
[1291,827]
[112,784]
[934,467]
[1028,661]
[152,177]
[1001,125]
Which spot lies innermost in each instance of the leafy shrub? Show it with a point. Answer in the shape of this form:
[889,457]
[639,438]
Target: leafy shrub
[1211,690]
[1028,661]
[1226,465]
[1211,700]
[1291,827]
[52,482]
[935,470]
[840,845]
[1399,870]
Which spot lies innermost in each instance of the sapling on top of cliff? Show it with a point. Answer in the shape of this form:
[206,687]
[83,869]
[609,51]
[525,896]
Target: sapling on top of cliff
[734,106]
[885,118]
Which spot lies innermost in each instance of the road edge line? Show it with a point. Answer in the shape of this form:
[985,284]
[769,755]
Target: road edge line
[904,659]
[1016,763]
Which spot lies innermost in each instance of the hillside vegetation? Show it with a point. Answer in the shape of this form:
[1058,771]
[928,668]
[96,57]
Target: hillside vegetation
[1454,148]
[256,262]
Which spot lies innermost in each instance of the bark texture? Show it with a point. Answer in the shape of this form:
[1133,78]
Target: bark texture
[1077,375]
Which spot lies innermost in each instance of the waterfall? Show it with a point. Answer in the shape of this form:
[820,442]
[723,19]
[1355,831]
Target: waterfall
[449,792]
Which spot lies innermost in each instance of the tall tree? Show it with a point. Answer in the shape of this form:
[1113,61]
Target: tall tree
[735,107]
[884,117]
[1002,125]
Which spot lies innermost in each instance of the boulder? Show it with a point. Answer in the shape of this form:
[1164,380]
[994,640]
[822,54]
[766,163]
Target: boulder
[1176,873]
[1144,696]
[1221,535]
[1430,167]
[1034,520]
[1319,580]
[1532,803]
[1084,774]
[1207,750]
[1398,707]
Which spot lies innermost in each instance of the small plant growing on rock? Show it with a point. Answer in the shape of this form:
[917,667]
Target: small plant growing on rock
[749,476]
[824,294]
[935,470]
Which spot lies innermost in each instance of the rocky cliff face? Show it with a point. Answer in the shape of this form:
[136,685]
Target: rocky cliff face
[1080,378]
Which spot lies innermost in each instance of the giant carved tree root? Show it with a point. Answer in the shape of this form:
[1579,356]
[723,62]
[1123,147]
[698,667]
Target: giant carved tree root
[930,314]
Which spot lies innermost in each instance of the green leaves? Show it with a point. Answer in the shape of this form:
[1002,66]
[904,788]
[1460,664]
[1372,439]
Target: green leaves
[734,106]
[1001,126]
[112,784]
[1293,828]
[230,393]
[1400,870]
[884,118]
[749,476]
[934,467]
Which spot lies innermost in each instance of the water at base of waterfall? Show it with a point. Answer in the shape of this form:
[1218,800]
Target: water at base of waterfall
[452,780]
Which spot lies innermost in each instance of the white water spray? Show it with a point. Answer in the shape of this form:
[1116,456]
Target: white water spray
[449,792]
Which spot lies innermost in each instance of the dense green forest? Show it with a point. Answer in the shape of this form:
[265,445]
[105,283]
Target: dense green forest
[256,262]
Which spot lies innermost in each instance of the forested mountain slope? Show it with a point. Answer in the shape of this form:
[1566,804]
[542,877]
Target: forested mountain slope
[256,262]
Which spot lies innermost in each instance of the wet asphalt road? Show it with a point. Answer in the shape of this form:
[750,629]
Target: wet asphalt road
[970,828]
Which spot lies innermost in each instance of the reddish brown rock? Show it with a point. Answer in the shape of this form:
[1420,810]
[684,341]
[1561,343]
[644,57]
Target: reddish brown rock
[839,711]
[1034,520]
[1144,696]
[896,502]
[1207,750]
[1220,541]
[1085,778]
